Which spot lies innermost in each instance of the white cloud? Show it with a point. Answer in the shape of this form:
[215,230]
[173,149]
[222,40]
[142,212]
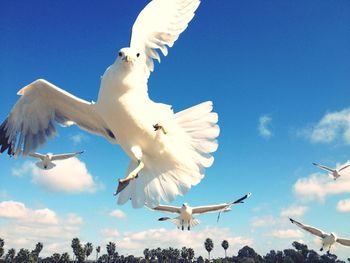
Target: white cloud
[262,221]
[78,139]
[343,206]
[331,126]
[293,211]
[24,227]
[117,214]
[318,186]
[135,242]
[263,126]
[287,233]
[69,176]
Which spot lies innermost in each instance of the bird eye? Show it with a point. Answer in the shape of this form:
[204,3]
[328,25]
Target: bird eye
[120,54]
[138,54]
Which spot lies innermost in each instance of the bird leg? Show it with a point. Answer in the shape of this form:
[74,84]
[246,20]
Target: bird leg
[136,150]
[157,127]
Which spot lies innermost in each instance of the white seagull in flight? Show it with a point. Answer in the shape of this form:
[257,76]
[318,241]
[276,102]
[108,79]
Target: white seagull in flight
[328,240]
[169,151]
[335,173]
[186,212]
[47,159]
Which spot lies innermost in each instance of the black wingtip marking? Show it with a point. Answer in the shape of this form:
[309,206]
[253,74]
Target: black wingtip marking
[110,134]
[291,220]
[4,140]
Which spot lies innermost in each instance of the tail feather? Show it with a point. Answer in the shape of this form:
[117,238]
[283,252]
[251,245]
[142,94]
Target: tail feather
[178,222]
[189,145]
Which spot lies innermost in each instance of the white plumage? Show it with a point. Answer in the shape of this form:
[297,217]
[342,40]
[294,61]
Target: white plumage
[168,151]
[328,240]
[335,173]
[186,212]
[46,160]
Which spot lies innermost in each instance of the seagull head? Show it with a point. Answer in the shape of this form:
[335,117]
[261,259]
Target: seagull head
[128,56]
[185,205]
[334,235]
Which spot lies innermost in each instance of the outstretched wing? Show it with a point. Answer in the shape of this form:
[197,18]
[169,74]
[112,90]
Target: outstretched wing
[309,229]
[159,25]
[37,155]
[343,241]
[344,167]
[57,157]
[219,207]
[324,167]
[31,120]
[167,208]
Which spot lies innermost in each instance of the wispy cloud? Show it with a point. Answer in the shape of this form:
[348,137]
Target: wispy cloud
[24,226]
[332,126]
[287,233]
[78,139]
[264,126]
[117,214]
[343,206]
[318,186]
[293,211]
[69,176]
[265,221]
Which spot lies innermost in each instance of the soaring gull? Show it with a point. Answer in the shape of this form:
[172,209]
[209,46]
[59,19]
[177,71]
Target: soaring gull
[169,151]
[46,160]
[328,240]
[335,173]
[186,212]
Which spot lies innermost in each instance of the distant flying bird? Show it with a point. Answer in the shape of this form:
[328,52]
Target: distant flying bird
[328,240]
[47,159]
[186,212]
[169,151]
[332,172]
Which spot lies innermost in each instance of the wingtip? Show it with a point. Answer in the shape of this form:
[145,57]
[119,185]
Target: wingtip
[314,163]
[291,220]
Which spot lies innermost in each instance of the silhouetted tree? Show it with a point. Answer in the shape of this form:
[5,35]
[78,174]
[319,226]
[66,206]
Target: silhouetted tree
[248,252]
[36,251]
[2,243]
[147,254]
[184,253]
[190,254]
[23,256]
[110,250]
[78,250]
[64,258]
[209,245]
[88,248]
[200,259]
[176,254]
[225,245]
[98,250]
[10,256]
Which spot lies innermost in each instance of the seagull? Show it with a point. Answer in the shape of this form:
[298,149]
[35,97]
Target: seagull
[186,219]
[168,151]
[332,172]
[328,240]
[46,159]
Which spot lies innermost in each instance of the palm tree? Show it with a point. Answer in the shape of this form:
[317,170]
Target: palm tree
[88,248]
[35,253]
[184,253]
[209,245]
[98,250]
[147,254]
[110,250]
[64,258]
[176,254]
[11,253]
[78,250]
[225,246]
[55,257]
[190,252]
[23,255]
[2,243]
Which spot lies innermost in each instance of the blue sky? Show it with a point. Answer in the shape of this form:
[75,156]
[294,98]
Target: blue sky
[288,61]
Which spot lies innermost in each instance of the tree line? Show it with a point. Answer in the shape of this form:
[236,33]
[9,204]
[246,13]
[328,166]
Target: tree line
[83,253]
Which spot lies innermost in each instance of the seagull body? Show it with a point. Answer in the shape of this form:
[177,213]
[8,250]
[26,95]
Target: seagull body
[186,212]
[335,173]
[328,240]
[47,159]
[168,151]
